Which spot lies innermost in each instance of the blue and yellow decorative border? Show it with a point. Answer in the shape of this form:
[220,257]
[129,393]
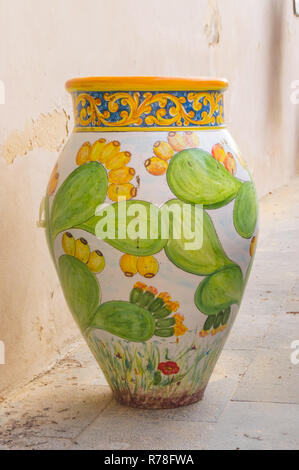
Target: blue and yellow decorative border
[146,110]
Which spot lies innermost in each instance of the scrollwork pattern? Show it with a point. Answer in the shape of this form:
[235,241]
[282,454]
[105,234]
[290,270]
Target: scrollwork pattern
[148,109]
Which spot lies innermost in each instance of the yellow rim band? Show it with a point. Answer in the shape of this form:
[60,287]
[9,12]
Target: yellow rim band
[146,84]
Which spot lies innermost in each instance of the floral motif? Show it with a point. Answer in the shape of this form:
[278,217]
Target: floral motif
[168,368]
[140,285]
[148,109]
[179,329]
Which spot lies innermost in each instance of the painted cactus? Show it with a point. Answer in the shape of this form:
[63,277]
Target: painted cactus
[201,261]
[145,315]
[217,186]
[246,210]
[152,354]
[138,320]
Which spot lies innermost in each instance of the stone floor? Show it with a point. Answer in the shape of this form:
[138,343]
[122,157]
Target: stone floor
[252,401]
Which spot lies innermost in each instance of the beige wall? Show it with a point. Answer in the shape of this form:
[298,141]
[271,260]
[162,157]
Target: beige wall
[251,42]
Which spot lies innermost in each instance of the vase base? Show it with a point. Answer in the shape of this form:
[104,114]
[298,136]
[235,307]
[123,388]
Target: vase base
[156,401]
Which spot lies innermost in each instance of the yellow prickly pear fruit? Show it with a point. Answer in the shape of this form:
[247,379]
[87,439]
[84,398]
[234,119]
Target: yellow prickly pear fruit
[218,153]
[176,141]
[126,190]
[117,160]
[121,175]
[110,149]
[96,262]
[83,153]
[156,166]
[147,266]
[82,250]
[163,150]
[128,265]
[191,139]
[96,150]
[68,243]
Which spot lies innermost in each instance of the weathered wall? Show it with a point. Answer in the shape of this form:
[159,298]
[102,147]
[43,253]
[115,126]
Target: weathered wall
[42,44]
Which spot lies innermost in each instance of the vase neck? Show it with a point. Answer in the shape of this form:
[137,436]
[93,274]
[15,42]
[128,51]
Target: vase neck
[147,103]
[147,110]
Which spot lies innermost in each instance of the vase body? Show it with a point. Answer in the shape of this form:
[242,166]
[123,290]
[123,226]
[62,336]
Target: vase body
[154,305]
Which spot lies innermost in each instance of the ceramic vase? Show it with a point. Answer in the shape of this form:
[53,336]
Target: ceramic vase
[151,221]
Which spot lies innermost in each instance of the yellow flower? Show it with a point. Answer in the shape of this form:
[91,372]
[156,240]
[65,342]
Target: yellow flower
[174,306]
[179,318]
[164,296]
[179,329]
[204,333]
[152,289]
[140,285]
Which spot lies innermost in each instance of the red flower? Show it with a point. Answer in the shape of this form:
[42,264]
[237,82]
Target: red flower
[168,368]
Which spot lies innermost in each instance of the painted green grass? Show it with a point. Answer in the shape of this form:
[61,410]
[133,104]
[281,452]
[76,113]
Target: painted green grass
[134,369]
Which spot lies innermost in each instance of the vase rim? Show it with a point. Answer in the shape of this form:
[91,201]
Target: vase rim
[146,84]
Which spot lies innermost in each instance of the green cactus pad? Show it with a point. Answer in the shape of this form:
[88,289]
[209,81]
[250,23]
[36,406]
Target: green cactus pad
[164,333]
[226,315]
[137,213]
[220,290]
[136,296]
[218,320]
[166,322]
[78,197]
[161,312]
[126,320]
[195,176]
[246,210]
[156,305]
[209,322]
[209,258]
[48,228]
[80,288]
[146,299]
